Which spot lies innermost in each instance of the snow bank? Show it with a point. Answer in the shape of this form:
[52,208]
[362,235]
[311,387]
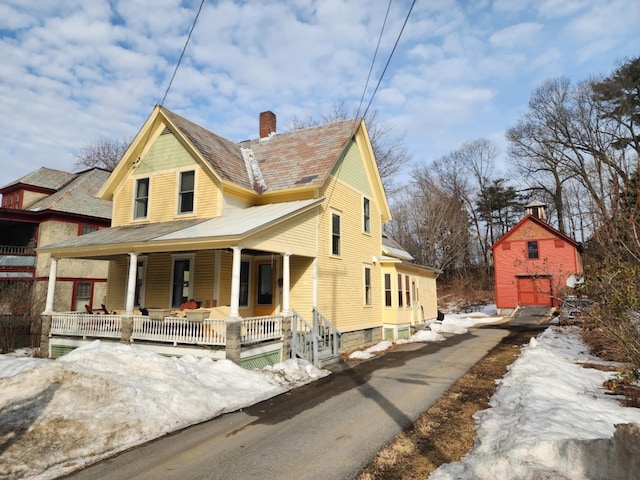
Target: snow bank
[56,416]
[550,418]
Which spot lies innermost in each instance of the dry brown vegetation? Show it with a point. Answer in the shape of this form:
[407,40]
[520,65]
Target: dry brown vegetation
[445,432]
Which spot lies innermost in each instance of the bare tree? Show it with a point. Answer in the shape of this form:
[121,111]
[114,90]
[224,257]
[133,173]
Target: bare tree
[103,153]
[390,150]
[465,173]
[430,223]
[535,143]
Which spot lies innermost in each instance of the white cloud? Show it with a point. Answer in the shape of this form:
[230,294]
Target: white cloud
[516,36]
[74,71]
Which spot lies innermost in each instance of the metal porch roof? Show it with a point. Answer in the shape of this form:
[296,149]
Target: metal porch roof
[236,222]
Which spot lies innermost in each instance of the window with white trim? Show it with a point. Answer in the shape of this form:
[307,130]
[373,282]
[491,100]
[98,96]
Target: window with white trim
[407,291]
[366,214]
[141,206]
[387,289]
[187,190]
[335,234]
[367,285]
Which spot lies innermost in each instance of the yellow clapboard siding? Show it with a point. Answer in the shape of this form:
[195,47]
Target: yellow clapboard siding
[341,280]
[297,235]
[116,285]
[162,165]
[158,291]
[301,293]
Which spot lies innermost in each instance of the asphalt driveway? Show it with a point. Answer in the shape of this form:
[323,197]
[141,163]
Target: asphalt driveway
[329,429]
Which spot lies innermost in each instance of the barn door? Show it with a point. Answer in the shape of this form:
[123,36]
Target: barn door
[534,291]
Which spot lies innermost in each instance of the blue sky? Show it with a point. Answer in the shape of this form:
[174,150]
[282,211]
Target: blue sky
[74,71]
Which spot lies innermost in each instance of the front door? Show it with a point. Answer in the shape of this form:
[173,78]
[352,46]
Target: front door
[264,301]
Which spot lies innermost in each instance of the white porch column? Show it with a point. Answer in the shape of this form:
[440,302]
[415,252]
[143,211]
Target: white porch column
[131,283]
[314,284]
[286,283]
[235,283]
[51,287]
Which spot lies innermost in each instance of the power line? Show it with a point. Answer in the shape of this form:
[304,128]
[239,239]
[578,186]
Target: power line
[373,61]
[390,56]
[182,53]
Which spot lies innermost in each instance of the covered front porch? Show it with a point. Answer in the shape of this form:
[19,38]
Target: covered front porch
[221,286]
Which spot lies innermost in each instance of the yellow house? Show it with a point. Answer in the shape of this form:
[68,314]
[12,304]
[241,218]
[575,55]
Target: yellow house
[281,235]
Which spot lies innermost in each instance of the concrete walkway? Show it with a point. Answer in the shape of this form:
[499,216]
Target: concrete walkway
[531,316]
[329,429]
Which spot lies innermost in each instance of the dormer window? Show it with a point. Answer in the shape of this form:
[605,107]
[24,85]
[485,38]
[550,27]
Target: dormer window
[141,206]
[11,200]
[186,195]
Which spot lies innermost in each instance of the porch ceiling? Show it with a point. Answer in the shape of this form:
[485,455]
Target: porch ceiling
[182,235]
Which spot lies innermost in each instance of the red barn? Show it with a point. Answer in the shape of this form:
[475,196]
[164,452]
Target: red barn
[533,261]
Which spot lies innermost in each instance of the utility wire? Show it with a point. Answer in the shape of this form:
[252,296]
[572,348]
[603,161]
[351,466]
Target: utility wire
[373,61]
[182,53]
[390,56]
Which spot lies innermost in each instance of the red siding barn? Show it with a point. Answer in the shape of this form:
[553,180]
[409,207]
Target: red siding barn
[532,262]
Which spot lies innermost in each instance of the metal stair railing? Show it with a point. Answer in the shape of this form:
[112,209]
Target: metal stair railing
[329,335]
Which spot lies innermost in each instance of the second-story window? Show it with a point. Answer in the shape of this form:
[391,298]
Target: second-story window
[532,248]
[187,184]
[366,209]
[142,198]
[84,229]
[335,234]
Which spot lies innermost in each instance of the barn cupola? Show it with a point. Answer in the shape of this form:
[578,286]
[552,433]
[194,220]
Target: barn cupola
[537,209]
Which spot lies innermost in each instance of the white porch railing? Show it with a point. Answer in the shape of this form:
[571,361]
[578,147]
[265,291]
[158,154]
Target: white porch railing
[260,329]
[175,330]
[86,325]
[211,331]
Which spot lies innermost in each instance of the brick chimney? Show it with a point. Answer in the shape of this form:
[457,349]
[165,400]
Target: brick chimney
[267,124]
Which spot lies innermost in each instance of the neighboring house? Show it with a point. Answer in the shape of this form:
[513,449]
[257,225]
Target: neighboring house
[44,207]
[282,234]
[533,261]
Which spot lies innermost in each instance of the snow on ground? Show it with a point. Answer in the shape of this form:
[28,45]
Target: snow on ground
[58,415]
[550,417]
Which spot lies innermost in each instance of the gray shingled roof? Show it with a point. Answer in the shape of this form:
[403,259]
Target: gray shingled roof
[44,178]
[286,160]
[302,157]
[125,234]
[78,196]
[224,155]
